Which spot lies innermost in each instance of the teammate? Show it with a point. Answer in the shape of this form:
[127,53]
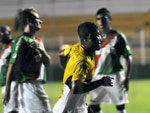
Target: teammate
[79,69]
[6,41]
[114,47]
[26,62]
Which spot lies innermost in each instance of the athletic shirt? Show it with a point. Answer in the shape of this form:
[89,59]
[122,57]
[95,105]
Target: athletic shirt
[4,59]
[108,57]
[80,65]
[27,61]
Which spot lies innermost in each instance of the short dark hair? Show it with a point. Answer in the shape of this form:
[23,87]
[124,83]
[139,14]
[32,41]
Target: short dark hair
[104,11]
[22,17]
[86,28]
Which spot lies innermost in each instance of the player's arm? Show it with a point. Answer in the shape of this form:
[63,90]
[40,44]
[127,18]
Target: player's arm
[64,56]
[6,96]
[84,87]
[128,71]
[81,73]
[127,53]
[45,57]
[14,65]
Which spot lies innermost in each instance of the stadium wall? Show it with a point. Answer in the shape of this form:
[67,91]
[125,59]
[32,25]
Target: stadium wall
[62,30]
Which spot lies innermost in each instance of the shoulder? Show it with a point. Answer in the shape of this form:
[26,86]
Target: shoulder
[119,34]
[75,49]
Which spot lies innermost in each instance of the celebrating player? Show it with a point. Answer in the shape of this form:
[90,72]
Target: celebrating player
[27,62]
[114,46]
[79,61]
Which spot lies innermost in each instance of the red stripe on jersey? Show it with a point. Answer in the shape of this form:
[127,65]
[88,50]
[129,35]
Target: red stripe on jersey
[107,40]
[38,39]
[4,50]
[96,60]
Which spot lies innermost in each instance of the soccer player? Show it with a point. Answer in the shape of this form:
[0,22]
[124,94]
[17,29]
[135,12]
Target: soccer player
[114,47]
[78,62]
[6,41]
[26,63]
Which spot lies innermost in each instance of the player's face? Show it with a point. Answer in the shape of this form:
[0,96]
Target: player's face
[103,21]
[5,34]
[35,21]
[94,41]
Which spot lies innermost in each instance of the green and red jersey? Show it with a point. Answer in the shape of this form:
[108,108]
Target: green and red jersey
[27,61]
[108,57]
[4,60]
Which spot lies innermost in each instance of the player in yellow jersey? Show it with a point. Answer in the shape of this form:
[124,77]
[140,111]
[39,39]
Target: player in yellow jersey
[79,63]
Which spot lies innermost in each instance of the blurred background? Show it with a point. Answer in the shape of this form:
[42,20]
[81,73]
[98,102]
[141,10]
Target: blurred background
[61,18]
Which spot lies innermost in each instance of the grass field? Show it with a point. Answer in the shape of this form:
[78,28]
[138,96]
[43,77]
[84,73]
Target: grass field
[139,97]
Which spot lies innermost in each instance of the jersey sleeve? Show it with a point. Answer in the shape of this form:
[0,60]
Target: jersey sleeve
[81,71]
[15,48]
[126,50]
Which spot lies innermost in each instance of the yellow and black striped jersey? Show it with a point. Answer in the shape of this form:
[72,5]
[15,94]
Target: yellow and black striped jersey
[80,65]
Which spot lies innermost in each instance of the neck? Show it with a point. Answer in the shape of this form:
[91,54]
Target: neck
[29,31]
[106,30]
[90,52]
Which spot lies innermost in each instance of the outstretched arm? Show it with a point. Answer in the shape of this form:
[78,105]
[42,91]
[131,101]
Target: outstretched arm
[83,87]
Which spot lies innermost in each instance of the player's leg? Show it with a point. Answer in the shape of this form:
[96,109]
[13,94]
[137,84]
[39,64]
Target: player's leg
[121,108]
[32,98]
[12,105]
[118,93]
[94,109]
[97,97]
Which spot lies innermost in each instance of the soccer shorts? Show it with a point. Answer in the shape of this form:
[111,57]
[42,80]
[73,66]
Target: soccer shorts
[116,93]
[12,105]
[32,98]
[70,103]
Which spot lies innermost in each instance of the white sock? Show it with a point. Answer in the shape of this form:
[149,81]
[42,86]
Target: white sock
[122,111]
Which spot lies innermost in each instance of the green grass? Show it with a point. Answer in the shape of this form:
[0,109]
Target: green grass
[139,97]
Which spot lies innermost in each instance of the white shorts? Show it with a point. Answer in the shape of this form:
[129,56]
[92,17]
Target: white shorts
[70,103]
[32,98]
[12,105]
[104,94]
